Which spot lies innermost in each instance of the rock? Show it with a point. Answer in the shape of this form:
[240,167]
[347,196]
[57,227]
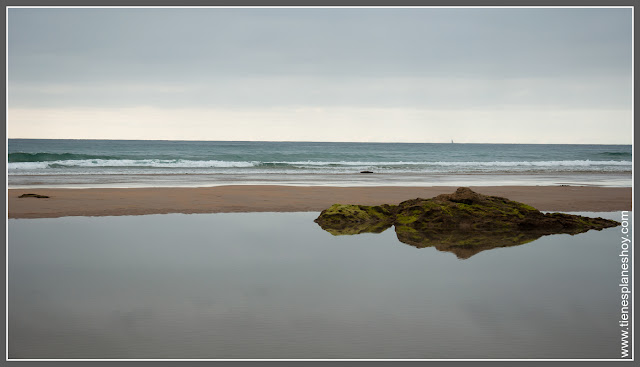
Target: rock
[366,172]
[468,210]
[464,222]
[33,196]
[353,219]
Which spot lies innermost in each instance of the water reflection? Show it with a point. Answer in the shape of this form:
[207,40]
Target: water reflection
[465,244]
[275,285]
[462,243]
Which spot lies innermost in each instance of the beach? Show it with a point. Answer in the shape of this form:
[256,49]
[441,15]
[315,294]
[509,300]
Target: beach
[274,198]
[121,177]
[260,184]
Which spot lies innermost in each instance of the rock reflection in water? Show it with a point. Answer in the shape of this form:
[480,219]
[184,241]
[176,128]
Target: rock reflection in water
[463,244]
[357,228]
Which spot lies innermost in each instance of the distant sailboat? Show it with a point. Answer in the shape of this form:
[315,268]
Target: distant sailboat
[451,141]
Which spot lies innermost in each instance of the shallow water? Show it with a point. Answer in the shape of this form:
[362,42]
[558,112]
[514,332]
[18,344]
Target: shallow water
[275,285]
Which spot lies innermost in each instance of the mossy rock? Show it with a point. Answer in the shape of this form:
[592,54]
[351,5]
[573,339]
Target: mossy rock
[342,219]
[468,210]
[464,222]
[462,210]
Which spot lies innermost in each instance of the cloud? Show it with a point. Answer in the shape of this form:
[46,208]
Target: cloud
[199,44]
[270,91]
[112,72]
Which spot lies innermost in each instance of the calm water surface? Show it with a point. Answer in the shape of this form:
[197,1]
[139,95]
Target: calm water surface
[275,285]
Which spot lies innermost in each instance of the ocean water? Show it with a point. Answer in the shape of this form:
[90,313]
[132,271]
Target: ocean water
[120,163]
[276,286]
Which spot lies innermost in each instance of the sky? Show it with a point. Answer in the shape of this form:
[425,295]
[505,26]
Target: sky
[472,75]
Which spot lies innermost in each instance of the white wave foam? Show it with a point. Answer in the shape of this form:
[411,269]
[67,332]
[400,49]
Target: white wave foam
[27,165]
[440,163]
[324,166]
[130,163]
[582,163]
[502,164]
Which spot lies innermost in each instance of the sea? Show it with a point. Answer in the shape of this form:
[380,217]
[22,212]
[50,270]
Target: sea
[145,163]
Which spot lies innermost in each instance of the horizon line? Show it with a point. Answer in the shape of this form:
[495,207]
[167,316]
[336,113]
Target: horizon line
[314,141]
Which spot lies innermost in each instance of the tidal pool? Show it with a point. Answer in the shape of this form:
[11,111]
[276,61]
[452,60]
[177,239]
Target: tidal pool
[276,286]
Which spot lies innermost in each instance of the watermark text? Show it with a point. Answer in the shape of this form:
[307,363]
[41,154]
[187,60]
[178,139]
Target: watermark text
[625,286]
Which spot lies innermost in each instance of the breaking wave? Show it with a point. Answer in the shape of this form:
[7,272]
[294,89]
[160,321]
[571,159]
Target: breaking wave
[316,166]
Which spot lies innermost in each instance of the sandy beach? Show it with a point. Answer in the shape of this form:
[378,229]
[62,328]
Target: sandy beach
[263,198]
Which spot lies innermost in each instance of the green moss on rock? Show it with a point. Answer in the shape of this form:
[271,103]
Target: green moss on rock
[463,222]
[341,219]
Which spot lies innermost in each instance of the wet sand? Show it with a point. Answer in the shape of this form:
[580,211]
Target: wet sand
[262,198]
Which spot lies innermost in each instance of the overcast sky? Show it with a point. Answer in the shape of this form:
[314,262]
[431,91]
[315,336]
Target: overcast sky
[510,75]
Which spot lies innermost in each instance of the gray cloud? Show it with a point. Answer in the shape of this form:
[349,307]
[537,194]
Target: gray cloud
[399,57]
[265,91]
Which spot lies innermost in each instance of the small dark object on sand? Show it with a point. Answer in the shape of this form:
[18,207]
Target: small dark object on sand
[366,172]
[33,196]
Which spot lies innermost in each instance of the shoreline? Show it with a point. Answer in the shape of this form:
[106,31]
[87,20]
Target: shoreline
[353,179]
[276,198]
